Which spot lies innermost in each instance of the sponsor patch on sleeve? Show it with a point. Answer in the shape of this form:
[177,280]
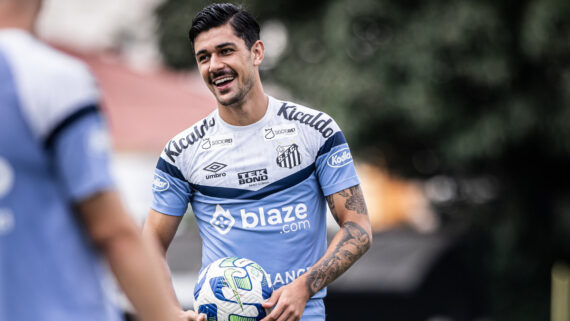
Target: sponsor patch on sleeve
[159,183]
[340,158]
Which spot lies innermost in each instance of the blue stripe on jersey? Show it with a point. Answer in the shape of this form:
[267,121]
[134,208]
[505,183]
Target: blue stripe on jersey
[334,140]
[79,114]
[236,193]
[170,169]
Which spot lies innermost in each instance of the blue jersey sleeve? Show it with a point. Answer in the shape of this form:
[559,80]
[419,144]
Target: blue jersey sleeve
[171,192]
[81,150]
[334,165]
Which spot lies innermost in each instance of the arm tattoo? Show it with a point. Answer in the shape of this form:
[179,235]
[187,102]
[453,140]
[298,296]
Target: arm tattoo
[330,201]
[355,201]
[354,242]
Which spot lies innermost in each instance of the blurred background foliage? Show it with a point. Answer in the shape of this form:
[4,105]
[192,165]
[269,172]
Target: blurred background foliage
[472,95]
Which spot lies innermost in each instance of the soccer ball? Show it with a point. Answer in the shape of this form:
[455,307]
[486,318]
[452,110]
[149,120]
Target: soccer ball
[232,289]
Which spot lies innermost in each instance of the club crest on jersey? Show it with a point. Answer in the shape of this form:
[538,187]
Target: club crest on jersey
[288,156]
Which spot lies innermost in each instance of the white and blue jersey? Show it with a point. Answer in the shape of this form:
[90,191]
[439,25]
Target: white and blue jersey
[51,157]
[258,191]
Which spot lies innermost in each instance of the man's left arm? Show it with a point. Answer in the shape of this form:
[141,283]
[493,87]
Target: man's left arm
[348,245]
[350,242]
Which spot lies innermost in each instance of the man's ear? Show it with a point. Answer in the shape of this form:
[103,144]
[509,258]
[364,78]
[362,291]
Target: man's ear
[258,52]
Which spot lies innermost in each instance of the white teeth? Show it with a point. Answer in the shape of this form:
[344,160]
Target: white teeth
[219,81]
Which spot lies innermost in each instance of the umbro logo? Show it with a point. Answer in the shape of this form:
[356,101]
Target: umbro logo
[215,167]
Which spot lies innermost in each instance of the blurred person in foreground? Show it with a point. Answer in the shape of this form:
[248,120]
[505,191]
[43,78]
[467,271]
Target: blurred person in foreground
[258,172]
[57,198]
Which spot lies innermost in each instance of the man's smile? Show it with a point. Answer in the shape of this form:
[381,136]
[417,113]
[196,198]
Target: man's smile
[223,81]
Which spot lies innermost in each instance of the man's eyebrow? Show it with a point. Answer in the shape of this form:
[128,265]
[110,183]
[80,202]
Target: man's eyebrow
[225,44]
[222,45]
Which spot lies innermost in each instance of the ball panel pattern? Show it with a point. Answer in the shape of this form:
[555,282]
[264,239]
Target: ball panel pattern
[232,289]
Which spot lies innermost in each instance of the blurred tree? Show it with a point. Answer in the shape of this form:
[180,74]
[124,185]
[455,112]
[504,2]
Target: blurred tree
[474,92]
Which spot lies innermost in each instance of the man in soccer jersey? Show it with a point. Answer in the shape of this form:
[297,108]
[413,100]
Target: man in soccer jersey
[56,195]
[258,173]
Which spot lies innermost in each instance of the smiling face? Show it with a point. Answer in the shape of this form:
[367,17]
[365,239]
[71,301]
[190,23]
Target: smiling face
[227,66]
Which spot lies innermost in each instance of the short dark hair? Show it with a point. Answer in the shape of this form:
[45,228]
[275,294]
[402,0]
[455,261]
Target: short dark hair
[219,14]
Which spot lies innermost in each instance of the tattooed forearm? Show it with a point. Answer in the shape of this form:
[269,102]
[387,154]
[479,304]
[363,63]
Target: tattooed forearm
[353,243]
[353,238]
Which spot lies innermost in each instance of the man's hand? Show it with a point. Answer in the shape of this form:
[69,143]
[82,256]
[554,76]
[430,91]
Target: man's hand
[288,302]
[193,316]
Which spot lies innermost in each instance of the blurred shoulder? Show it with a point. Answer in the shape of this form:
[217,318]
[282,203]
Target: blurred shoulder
[27,54]
[51,85]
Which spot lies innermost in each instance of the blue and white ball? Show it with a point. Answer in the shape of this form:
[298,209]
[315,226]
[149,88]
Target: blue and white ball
[232,289]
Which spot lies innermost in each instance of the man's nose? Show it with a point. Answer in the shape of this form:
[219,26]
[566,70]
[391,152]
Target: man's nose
[215,64]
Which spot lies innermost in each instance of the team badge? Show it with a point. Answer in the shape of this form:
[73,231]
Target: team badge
[288,156]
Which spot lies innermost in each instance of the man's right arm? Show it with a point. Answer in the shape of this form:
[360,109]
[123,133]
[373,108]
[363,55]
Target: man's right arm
[160,229]
[134,263]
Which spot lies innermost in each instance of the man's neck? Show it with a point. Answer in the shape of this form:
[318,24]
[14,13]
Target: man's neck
[250,111]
